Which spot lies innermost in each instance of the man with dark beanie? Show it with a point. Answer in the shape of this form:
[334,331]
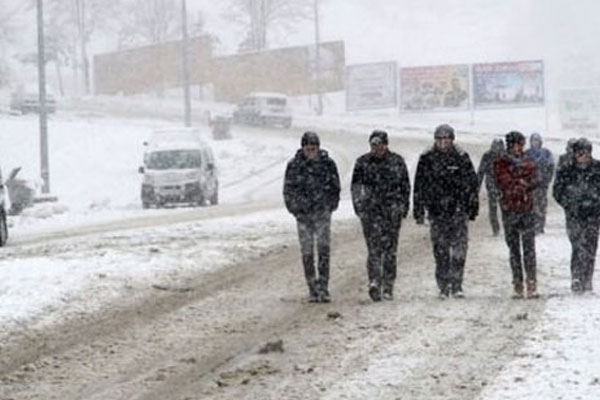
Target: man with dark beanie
[516,176]
[311,191]
[380,196]
[446,186]
[577,189]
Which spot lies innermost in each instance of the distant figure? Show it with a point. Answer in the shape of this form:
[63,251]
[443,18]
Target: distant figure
[446,187]
[577,189]
[381,199]
[311,191]
[485,172]
[516,178]
[544,162]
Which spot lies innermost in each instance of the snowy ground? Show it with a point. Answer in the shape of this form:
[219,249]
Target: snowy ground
[94,160]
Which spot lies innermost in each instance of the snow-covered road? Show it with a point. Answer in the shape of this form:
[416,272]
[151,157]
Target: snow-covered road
[100,299]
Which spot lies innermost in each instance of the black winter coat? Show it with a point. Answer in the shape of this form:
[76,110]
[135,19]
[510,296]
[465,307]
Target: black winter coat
[445,185]
[380,186]
[311,186]
[577,190]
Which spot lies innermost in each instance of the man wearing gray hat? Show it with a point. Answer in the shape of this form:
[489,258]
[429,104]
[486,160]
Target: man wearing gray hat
[380,196]
[311,192]
[446,187]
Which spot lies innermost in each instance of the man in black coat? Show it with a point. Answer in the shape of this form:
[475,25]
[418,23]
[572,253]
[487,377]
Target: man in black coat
[577,189]
[311,192]
[381,198]
[446,187]
[485,172]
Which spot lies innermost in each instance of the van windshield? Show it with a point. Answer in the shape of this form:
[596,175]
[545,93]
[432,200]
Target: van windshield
[274,101]
[174,159]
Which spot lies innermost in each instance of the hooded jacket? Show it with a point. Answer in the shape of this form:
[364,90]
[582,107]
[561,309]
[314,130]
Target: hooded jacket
[311,186]
[543,159]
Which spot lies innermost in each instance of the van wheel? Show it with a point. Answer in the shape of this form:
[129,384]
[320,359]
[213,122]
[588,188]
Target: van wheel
[3,229]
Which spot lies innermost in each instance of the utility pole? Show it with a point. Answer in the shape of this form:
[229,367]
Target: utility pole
[318,61]
[45,171]
[80,10]
[185,67]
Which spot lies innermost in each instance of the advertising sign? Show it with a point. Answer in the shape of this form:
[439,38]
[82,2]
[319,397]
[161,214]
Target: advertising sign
[434,88]
[580,109]
[289,70]
[508,84]
[370,86]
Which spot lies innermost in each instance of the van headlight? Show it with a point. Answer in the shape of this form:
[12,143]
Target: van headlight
[193,175]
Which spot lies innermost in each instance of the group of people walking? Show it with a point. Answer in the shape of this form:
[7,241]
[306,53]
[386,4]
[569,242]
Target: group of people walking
[445,193]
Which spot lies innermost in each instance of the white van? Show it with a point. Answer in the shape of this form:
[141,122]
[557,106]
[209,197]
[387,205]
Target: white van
[26,99]
[265,109]
[179,170]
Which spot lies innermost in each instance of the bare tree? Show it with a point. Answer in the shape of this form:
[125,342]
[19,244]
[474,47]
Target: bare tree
[149,21]
[9,29]
[260,17]
[73,23]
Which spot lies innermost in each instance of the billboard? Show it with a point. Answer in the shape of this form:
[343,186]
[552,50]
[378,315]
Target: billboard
[149,68]
[290,70]
[434,88]
[508,84]
[580,109]
[370,86]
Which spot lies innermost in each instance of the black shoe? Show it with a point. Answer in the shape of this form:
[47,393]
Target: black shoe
[458,294]
[375,292]
[324,296]
[387,292]
[444,293]
[576,286]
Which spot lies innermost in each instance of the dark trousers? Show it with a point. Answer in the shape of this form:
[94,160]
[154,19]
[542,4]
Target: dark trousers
[493,211]
[583,235]
[540,206]
[381,235]
[315,228]
[519,232]
[449,237]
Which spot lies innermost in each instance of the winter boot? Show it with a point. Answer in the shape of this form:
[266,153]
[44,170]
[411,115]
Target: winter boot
[313,291]
[324,296]
[532,290]
[375,291]
[576,286]
[388,291]
[445,292]
[518,287]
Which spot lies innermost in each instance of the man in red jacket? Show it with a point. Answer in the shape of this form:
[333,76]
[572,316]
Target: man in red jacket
[516,177]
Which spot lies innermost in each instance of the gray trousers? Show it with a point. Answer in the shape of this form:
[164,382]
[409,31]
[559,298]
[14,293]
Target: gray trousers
[449,237]
[381,235]
[519,233]
[583,235]
[540,206]
[315,228]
